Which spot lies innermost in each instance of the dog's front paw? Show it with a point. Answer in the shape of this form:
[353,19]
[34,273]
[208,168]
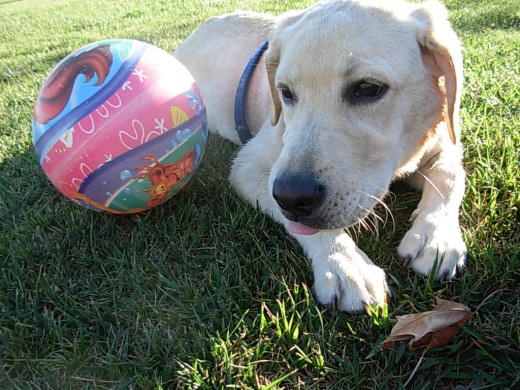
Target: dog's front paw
[350,285]
[434,239]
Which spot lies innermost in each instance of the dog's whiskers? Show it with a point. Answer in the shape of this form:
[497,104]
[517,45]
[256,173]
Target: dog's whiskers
[372,221]
[431,183]
[388,211]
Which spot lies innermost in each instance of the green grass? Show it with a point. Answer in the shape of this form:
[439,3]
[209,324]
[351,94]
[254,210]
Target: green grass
[207,292]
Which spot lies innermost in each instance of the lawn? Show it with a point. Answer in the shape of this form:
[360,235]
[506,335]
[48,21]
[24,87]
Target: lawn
[205,291]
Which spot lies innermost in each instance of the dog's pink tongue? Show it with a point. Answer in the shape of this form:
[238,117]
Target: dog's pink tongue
[298,228]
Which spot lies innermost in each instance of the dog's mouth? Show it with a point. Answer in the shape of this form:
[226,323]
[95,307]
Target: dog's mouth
[311,207]
[301,229]
[326,219]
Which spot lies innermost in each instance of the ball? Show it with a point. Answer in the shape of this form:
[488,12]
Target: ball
[119,126]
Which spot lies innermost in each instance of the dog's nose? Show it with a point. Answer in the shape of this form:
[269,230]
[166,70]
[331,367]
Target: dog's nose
[298,195]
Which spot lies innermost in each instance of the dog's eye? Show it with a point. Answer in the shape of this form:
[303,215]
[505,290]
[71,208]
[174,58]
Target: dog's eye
[287,95]
[364,89]
[367,90]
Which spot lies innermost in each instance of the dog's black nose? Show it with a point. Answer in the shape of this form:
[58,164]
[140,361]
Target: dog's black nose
[298,195]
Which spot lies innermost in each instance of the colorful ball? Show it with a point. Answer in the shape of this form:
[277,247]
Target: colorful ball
[119,126]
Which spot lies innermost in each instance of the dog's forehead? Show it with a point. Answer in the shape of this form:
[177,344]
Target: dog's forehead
[348,36]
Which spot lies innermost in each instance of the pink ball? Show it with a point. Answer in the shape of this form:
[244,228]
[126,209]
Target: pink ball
[119,126]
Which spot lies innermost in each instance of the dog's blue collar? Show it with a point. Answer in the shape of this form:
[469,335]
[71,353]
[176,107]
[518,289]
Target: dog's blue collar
[240,98]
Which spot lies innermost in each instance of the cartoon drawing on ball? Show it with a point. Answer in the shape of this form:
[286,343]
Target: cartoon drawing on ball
[57,89]
[164,177]
[72,193]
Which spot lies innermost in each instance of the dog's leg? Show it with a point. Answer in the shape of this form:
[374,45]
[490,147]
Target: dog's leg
[344,276]
[435,236]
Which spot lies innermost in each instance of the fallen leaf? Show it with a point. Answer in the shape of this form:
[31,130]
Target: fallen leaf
[433,328]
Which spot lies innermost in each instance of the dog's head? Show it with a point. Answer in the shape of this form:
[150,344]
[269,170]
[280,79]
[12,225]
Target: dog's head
[359,88]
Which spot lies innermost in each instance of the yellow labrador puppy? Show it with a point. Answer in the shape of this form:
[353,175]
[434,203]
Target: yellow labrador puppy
[333,103]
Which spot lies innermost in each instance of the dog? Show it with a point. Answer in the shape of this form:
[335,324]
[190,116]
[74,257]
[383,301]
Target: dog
[340,100]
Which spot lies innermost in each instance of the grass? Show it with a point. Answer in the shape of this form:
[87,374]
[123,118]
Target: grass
[206,292]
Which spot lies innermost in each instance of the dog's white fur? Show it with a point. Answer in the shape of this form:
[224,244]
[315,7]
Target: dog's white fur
[354,147]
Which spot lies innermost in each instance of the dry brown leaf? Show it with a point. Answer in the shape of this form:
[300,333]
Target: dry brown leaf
[433,328]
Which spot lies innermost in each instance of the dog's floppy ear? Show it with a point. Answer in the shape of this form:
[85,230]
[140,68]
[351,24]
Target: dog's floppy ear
[272,58]
[441,53]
